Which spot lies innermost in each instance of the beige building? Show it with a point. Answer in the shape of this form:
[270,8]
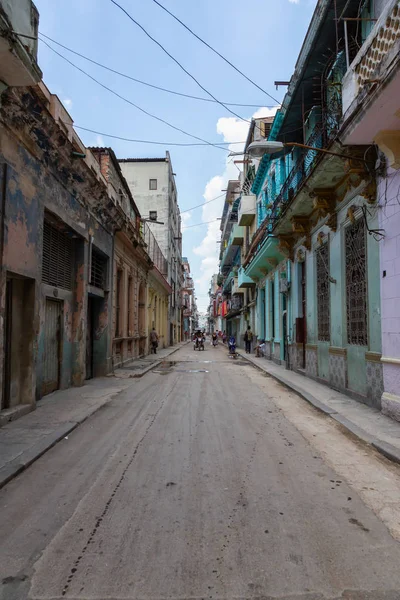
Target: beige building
[140,290]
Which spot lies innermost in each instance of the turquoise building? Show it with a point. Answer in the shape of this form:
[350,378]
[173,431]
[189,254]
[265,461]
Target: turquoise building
[313,256]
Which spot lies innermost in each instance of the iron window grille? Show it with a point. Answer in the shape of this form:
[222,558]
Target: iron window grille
[57,257]
[323,293]
[98,270]
[356,283]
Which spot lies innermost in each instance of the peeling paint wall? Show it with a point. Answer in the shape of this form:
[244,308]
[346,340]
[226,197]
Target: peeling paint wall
[39,176]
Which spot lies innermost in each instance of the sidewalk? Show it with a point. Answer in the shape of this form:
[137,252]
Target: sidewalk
[367,423]
[23,441]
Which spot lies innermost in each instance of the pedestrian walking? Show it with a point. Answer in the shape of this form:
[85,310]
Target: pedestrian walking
[154,340]
[248,338]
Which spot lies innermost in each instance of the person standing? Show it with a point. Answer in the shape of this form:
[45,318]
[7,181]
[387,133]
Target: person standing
[248,338]
[154,340]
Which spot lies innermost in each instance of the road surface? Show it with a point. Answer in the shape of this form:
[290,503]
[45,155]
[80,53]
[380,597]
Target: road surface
[205,479]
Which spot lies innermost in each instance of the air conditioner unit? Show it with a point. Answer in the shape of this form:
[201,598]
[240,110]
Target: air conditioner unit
[284,286]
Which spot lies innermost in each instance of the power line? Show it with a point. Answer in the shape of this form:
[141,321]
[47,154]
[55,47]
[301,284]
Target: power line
[198,205]
[124,139]
[156,87]
[198,224]
[177,62]
[215,51]
[132,103]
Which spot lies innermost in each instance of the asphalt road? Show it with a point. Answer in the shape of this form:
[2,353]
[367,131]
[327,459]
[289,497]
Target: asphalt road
[193,483]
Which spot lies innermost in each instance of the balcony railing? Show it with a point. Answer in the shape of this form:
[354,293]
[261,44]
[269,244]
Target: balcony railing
[322,135]
[153,250]
[237,302]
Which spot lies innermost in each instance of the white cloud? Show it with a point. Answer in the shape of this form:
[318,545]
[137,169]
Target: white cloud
[67,103]
[232,130]
[294,1]
[100,141]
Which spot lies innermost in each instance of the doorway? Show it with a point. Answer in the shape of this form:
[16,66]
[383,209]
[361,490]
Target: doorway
[284,328]
[5,402]
[89,339]
[52,346]
[304,312]
[18,341]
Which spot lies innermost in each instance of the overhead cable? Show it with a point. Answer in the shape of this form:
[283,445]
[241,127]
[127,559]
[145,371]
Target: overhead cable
[215,51]
[156,87]
[198,224]
[132,103]
[178,63]
[124,139]
[198,205]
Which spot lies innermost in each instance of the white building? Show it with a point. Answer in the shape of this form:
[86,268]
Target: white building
[152,184]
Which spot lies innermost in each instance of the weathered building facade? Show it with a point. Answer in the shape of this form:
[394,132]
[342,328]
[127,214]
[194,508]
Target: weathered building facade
[189,308]
[58,219]
[152,183]
[131,266]
[319,222]
[318,305]
[371,107]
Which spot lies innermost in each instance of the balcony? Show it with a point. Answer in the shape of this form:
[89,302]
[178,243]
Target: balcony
[18,55]
[237,235]
[247,209]
[371,88]
[244,281]
[235,286]
[266,257]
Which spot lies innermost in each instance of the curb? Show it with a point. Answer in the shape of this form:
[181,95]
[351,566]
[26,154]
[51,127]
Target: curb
[26,459]
[390,452]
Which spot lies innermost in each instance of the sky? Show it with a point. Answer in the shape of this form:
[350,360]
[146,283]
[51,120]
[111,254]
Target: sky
[262,38]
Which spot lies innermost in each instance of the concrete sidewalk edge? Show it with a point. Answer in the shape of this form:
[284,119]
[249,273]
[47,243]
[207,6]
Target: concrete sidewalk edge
[388,450]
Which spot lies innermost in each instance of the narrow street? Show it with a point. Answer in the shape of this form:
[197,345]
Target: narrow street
[204,479]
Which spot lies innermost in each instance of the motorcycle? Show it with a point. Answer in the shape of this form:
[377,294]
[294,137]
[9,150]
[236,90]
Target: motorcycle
[199,344]
[232,348]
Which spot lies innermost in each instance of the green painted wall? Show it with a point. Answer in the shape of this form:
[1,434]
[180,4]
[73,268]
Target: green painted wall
[310,299]
[277,308]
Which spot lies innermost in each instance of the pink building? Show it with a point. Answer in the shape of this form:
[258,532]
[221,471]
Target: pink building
[371,104]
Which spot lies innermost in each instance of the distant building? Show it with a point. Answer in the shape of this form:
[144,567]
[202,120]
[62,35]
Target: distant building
[152,184]
[189,307]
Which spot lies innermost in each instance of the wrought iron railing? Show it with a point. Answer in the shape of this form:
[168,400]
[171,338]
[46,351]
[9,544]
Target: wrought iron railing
[153,250]
[237,302]
[321,136]
[248,182]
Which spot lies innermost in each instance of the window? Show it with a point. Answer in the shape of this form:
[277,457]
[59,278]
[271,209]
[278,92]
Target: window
[129,305]
[98,270]
[152,184]
[57,257]
[356,283]
[153,214]
[323,293]
[118,304]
